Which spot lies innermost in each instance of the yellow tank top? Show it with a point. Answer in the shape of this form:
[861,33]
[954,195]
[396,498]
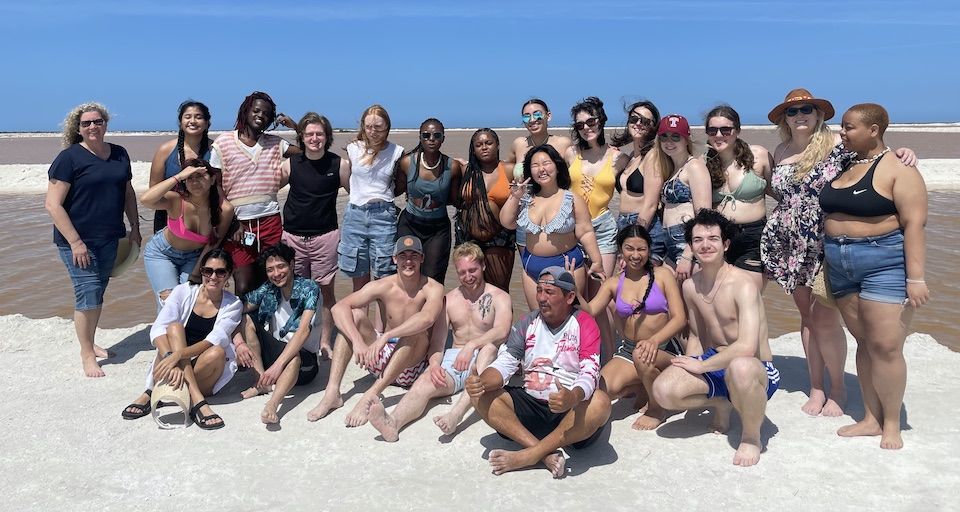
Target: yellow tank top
[596,191]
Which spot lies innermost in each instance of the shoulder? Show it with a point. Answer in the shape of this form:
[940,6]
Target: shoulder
[571,153]
[167,147]
[696,165]
[306,284]
[662,272]
[759,152]
[225,136]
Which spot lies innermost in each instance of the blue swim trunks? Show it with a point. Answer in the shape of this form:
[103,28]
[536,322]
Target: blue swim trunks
[718,386]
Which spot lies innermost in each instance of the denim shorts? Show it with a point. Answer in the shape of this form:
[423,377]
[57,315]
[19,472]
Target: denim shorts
[90,283]
[872,266]
[659,249]
[167,266]
[367,236]
[605,228]
[675,241]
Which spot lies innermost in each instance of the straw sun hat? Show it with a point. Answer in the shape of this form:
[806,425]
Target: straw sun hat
[165,396]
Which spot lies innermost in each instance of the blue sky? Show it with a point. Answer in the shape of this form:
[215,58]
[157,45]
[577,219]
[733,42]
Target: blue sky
[471,63]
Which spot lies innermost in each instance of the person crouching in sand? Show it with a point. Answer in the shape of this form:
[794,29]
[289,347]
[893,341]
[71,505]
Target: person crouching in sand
[479,315]
[558,348]
[726,317]
[410,304]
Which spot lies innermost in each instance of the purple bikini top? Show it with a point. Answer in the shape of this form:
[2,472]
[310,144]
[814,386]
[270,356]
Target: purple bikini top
[656,301]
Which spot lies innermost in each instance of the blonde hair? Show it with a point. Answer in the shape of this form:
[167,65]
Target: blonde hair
[71,123]
[468,250]
[371,152]
[662,162]
[820,145]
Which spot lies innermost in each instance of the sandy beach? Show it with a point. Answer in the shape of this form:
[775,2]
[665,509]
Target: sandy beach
[66,448]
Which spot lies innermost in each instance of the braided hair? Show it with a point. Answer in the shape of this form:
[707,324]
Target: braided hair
[741,150]
[204,140]
[475,210]
[638,231]
[241,125]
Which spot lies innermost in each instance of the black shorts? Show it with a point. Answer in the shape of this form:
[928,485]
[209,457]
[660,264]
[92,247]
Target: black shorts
[271,348]
[744,251]
[537,417]
[626,348]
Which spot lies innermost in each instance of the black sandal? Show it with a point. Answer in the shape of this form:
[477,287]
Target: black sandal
[140,410]
[203,421]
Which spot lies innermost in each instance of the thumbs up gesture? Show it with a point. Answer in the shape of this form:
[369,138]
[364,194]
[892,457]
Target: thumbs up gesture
[473,385]
[562,400]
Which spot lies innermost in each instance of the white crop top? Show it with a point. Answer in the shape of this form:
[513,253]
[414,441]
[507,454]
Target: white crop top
[374,181]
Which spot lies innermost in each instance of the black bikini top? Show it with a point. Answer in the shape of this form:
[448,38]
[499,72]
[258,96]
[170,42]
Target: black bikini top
[634,182]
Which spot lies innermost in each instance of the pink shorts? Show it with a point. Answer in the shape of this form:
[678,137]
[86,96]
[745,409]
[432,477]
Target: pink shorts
[267,231]
[407,377]
[316,256]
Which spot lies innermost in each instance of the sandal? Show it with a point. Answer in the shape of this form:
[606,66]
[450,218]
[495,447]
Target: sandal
[139,410]
[204,421]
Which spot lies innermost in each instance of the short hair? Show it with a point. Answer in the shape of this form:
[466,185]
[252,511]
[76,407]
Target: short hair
[218,254]
[314,118]
[71,123]
[563,172]
[594,107]
[281,250]
[872,114]
[468,250]
[709,218]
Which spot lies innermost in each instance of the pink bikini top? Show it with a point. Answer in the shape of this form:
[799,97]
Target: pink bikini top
[179,228]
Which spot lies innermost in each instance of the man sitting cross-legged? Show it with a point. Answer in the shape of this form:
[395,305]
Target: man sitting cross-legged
[726,318]
[410,304]
[479,315]
[279,343]
[558,347]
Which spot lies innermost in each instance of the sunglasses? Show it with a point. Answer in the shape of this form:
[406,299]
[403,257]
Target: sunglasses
[805,110]
[210,272]
[535,116]
[673,137]
[724,130]
[429,135]
[638,119]
[592,123]
[98,122]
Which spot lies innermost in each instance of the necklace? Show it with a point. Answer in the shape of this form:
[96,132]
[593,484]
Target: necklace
[423,162]
[708,298]
[870,160]
[533,143]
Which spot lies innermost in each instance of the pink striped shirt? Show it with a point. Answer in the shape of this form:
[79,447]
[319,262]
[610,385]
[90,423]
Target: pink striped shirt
[245,174]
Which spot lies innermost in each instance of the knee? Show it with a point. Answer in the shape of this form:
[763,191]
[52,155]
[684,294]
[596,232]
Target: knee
[163,295]
[174,328]
[598,408]
[663,392]
[744,372]
[214,355]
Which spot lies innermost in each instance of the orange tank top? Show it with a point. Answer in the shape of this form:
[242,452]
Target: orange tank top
[501,188]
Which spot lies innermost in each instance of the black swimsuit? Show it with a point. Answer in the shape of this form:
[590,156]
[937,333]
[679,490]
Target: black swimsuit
[858,200]
[634,182]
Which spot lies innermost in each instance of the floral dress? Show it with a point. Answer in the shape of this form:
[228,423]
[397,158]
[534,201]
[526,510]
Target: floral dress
[791,247]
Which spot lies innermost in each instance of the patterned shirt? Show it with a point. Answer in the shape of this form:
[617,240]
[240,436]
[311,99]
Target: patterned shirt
[267,298]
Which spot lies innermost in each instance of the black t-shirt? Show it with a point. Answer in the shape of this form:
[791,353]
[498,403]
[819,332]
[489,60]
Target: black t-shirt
[97,192]
[311,207]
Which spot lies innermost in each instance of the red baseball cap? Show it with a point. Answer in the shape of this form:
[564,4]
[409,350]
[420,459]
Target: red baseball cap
[674,123]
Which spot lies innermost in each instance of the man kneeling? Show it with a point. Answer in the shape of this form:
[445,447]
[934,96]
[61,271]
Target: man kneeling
[479,316]
[279,343]
[728,321]
[559,404]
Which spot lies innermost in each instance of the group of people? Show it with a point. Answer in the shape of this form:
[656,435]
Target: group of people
[661,301]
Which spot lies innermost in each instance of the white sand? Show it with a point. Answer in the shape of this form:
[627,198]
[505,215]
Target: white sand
[65,447]
[939,173]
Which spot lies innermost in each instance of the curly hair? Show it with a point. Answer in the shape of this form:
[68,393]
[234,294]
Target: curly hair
[594,107]
[742,153]
[241,124]
[71,123]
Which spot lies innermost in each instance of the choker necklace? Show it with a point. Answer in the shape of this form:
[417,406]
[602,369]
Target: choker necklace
[533,143]
[871,159]
[423,162]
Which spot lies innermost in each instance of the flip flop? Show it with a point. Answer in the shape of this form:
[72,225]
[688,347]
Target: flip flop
[203,421]
[140,411]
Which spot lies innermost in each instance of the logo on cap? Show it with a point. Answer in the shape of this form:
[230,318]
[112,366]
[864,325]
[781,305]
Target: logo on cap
[408,242]
[674,121]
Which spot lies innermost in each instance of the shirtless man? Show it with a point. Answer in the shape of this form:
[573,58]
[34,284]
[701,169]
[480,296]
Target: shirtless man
[410,303]
[726,318]
[480,316]
[557,346]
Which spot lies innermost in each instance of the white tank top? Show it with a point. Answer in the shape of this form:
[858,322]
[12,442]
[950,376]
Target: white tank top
[374,181]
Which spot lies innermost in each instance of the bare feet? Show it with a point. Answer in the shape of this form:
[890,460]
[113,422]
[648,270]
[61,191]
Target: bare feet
[358,416]
[502,461]
[384,423]
[721,418]
[325,351]
[890,438]
[649,420]
[861,428]
[448,422]
[269,414]
[91,368]
[101,352]
[832,409]
[254,391]
[815,404]
[329,402]
[748,453]
[556,463]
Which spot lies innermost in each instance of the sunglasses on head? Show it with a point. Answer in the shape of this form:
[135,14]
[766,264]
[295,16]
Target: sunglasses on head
[674,137]
[433,135]
[724,130]
[806,110]
[98,122]
[535,116]
[592,123]
[210,272]
[637,118]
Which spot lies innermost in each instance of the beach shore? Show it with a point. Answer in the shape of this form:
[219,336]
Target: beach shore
[65,447]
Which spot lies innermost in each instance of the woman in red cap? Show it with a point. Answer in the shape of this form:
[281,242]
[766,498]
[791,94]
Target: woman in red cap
[791,247]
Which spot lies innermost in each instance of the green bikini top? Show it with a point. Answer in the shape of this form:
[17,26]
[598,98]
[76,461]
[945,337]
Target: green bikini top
[751,189]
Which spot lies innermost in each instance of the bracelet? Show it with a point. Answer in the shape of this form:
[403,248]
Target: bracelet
[916,281]
[168,354]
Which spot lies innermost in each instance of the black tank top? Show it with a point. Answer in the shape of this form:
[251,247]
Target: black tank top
[198,328]
[858,200]
[311,207]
